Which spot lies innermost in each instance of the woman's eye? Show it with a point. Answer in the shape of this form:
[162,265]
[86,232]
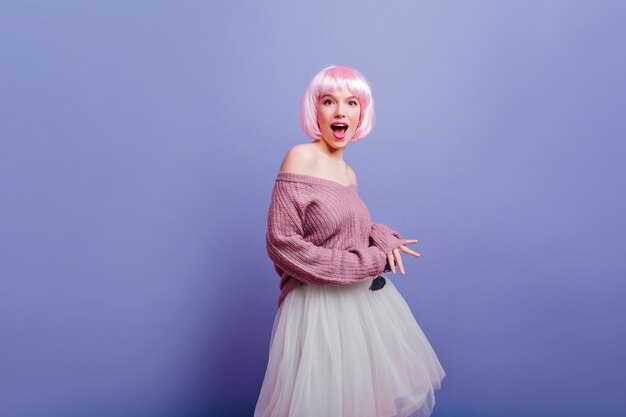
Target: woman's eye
[328,101]
[353,103]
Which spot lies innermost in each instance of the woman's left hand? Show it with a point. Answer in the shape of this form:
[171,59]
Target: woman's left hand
[396,254]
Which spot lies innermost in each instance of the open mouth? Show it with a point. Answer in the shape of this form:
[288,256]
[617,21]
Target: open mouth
[339,130]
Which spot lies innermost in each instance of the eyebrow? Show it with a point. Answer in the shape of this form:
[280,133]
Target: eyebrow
[330,95]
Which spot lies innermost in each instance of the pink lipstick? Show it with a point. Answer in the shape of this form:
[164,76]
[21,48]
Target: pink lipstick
[339,130]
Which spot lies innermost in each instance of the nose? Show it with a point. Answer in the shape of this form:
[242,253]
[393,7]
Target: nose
[339,112]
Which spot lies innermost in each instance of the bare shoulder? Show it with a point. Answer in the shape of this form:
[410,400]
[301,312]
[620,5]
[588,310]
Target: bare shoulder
[300,159]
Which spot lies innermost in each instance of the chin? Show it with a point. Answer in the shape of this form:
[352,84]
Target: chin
[339,143]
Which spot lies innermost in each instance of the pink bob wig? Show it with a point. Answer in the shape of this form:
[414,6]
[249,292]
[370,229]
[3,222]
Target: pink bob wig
[328,80]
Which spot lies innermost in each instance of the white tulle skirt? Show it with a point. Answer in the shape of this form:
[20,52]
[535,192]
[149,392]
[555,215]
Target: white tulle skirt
[347,351]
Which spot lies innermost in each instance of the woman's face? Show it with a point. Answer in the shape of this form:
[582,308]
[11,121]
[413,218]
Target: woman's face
[338,115]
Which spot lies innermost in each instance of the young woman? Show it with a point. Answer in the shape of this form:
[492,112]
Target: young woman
[344,342]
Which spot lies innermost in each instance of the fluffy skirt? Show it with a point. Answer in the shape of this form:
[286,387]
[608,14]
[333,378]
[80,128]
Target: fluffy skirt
[347,351]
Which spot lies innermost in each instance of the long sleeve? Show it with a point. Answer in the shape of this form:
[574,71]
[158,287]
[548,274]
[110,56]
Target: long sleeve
[385,238]
[305,261]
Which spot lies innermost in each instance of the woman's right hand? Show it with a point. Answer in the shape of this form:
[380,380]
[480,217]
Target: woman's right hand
[395,255]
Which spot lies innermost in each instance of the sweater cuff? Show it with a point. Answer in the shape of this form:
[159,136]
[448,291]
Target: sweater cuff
[385,238]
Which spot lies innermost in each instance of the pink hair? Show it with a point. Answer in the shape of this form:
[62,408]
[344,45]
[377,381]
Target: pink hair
[328,80]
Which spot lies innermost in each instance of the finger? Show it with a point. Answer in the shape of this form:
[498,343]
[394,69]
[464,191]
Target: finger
[392,265]
[396,252]
[409,251]
[410,241]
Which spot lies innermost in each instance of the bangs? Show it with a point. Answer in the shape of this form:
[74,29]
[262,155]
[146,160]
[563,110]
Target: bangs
[356,86]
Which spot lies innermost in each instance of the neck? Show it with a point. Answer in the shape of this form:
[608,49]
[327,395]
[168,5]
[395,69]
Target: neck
[328,151]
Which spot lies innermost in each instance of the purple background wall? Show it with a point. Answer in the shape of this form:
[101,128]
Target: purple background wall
[138,146]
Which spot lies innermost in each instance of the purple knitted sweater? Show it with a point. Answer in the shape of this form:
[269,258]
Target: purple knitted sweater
[320,232]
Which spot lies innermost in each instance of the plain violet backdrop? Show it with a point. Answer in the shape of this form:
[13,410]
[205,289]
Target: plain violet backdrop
[139,142]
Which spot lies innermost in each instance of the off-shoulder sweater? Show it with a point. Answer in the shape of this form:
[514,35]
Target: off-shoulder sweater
[320,232]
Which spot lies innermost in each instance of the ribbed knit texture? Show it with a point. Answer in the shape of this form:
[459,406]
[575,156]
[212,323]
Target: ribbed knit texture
[320,232]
